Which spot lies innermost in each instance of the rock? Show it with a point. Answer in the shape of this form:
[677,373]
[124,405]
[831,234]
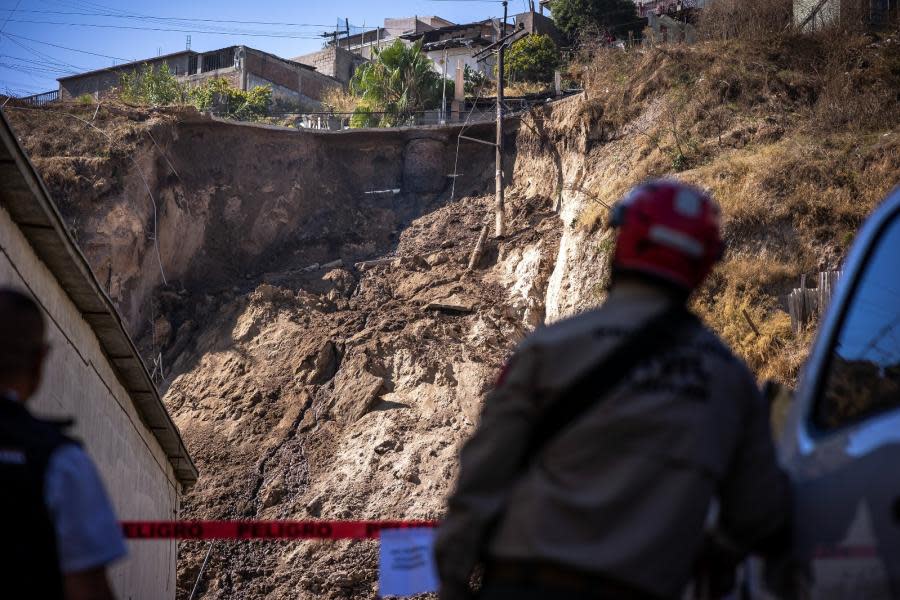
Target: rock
[385,446]
[274,493]
[452,305]
[355,390]
[314,506]
[325,364]
[438,258]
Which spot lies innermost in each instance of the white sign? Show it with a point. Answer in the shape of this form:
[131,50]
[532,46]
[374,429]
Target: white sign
[406,565]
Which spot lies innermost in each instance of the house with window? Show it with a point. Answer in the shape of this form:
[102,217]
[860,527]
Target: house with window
[292,83]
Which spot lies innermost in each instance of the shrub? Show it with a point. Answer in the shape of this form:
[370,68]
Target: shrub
[85,99]
[613,18]
[220,96]
[156,87]
[475,81]
[339,100]
[532,58]
[760,19]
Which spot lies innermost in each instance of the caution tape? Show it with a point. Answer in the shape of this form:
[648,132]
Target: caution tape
[263,530]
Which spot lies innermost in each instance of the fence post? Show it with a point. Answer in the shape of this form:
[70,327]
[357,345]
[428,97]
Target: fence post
[805,303]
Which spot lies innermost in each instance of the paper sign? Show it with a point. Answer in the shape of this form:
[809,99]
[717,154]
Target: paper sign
[406,565]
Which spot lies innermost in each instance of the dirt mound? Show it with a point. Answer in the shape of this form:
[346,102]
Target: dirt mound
[349,401]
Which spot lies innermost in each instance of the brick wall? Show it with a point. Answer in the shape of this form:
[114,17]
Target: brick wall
[308,84]
[333,62]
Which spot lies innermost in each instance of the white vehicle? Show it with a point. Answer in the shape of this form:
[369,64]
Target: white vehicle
[841,439]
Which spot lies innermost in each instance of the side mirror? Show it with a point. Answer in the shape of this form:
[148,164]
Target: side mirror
[779,398]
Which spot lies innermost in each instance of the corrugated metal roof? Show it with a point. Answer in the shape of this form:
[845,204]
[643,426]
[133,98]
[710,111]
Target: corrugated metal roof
[24,195]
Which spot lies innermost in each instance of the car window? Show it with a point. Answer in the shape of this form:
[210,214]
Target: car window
[864,369]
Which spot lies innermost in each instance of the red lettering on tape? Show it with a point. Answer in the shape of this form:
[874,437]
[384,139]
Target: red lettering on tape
[263,530]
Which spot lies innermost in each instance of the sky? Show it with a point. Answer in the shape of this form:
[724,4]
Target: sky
[41,40]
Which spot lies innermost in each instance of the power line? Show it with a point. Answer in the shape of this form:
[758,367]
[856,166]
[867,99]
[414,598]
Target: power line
[158,18]
[22,37]
[286,35]
[2,27]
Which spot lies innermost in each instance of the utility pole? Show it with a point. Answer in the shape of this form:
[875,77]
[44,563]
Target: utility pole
[499,207]
[444,93]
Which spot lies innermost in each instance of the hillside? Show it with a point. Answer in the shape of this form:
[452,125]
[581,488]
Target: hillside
[307,387]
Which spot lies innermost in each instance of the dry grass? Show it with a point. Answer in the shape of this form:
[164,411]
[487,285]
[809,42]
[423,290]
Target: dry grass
[526,88]
[339,100]
[797,137]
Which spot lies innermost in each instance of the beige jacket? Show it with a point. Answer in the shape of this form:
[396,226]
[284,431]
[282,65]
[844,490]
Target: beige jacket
[624,492]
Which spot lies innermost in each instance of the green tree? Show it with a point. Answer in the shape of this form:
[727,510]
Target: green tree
[397,84]
[156,87]
[532,58]
[605,17]
[475,81]
[218,94]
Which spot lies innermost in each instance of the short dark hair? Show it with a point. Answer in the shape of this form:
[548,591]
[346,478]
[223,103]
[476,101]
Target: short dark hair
[21,332]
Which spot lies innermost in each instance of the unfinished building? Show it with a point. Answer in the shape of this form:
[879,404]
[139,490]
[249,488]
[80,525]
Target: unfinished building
[293,84]
[94,373]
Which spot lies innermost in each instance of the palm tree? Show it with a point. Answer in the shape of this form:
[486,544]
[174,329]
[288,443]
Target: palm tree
[397,84]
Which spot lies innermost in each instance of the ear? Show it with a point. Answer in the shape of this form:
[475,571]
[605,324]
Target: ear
[618,215]
[37,370]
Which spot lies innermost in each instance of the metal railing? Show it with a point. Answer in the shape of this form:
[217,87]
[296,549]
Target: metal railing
[40,99]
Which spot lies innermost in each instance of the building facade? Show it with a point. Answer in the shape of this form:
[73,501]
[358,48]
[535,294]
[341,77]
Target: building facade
[94,374]
[293,84]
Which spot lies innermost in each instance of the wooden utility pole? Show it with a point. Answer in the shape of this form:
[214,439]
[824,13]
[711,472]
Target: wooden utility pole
[444,93]
[499,208]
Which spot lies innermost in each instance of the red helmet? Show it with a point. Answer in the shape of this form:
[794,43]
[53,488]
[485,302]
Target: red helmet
[669,230]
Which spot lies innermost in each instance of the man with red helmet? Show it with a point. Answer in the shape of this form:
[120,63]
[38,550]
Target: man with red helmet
[610,436]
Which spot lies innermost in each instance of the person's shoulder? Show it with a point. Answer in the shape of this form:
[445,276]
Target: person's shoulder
[717,351]
[70,459]
[564,330]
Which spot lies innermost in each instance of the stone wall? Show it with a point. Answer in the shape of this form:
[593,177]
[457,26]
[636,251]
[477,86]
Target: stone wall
[79,382]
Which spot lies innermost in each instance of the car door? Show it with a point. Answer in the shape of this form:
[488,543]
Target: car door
[841,441]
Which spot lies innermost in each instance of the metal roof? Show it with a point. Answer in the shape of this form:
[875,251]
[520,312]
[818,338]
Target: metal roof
[23,194]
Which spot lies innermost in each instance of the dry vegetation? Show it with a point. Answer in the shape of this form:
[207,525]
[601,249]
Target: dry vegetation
[797,137]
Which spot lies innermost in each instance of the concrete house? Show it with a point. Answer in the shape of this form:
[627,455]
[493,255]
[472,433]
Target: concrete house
[460,43]
[342,55]
[94,373]
[293,83]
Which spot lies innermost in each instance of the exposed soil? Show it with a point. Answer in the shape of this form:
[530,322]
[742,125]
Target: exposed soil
[307,387]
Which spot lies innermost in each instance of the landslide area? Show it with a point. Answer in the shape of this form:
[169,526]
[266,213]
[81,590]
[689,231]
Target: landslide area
[344,391]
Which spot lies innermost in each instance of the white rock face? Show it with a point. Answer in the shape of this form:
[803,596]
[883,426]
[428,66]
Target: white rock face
[582,267]
[525,283]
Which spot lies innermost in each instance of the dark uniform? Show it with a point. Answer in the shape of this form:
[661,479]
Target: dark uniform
[29,553]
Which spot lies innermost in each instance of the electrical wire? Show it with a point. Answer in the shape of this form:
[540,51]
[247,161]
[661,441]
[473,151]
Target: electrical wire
[22,37]
[276,35]
[158,18]
[2,27]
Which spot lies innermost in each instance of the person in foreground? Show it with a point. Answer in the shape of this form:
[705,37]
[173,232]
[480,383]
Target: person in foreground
[624,447]
[61,532]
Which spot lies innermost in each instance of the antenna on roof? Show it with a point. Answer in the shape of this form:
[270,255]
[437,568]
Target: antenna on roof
[187,42]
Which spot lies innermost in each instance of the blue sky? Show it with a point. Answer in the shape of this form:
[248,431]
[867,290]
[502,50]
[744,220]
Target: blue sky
[92,34]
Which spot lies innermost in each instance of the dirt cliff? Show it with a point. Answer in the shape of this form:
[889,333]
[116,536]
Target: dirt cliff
[307,387]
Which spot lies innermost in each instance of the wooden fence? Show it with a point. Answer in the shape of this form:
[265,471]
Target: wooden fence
[809,304]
